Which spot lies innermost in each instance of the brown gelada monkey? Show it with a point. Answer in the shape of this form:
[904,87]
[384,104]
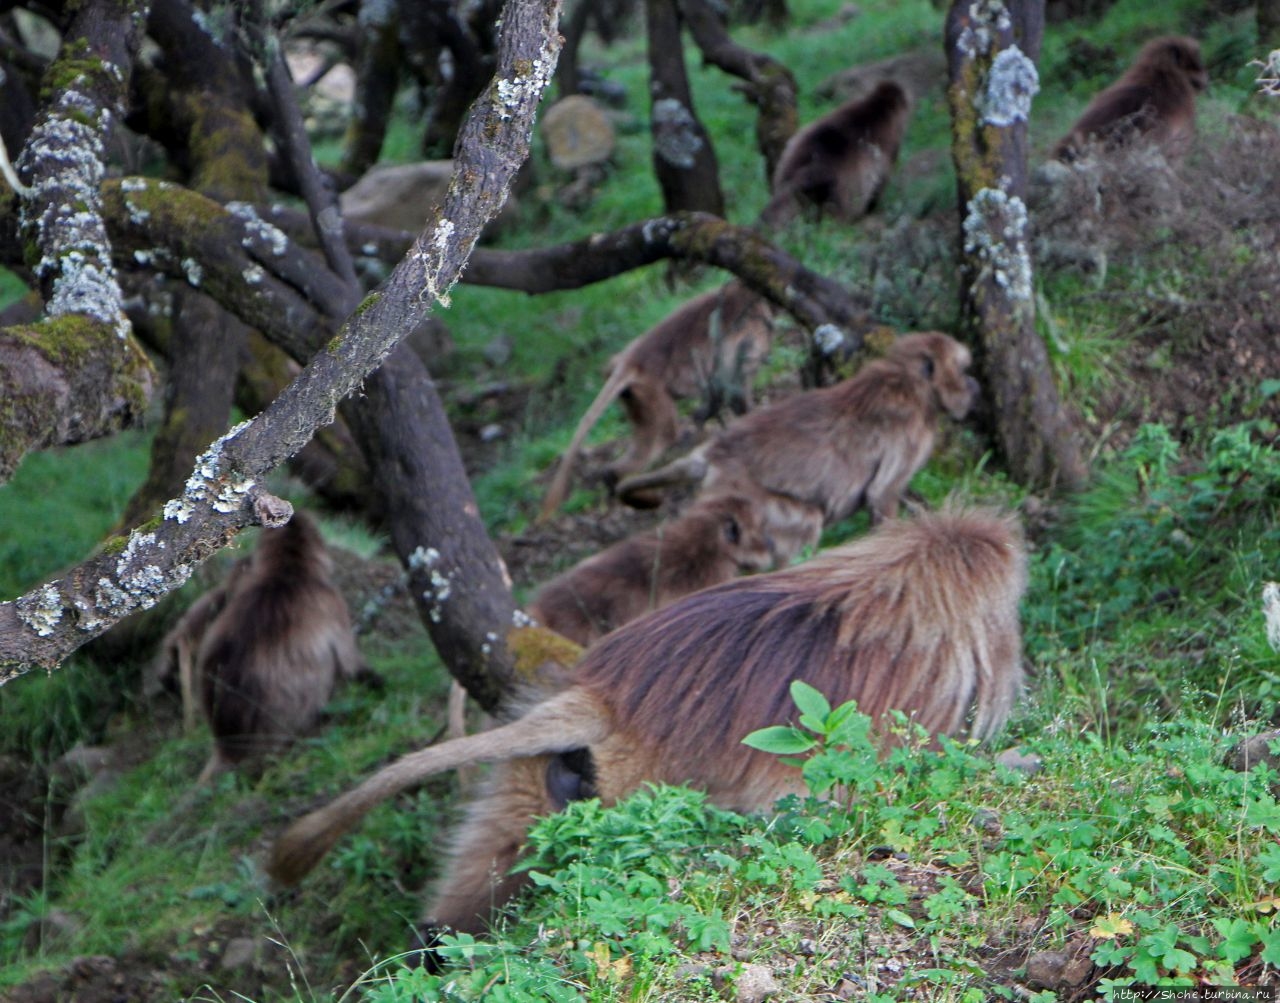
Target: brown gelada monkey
[919,616]
[709,347]
[1154,99]
[715,539]
[817,456]
[840,163]
[267,664]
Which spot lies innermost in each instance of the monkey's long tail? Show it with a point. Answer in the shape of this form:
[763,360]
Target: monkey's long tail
[567,721]
[559,488]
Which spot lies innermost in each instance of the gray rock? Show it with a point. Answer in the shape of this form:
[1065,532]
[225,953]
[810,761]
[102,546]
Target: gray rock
[578,133]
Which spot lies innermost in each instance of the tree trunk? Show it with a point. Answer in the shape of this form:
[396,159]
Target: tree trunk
[456,577]
[78,373]
[683,157]
[201,96]
[377,77]
[770,86]
[991,53]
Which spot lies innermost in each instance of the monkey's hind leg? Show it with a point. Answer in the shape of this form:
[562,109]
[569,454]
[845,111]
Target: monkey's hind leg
[477,881]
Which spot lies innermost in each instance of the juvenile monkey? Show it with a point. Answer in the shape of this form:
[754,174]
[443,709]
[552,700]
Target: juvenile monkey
[816,456]
[919,616]
[1154,99]
[718,537]
[840,163]
[710,346]
[268,663]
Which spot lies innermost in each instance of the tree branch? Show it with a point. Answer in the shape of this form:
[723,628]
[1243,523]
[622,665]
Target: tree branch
[768,84]
[813,299]
[79,374]
[223,496]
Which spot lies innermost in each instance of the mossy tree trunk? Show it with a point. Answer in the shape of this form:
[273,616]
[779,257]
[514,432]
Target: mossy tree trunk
[683,158]
[79,373]
[992,47]
[198,109]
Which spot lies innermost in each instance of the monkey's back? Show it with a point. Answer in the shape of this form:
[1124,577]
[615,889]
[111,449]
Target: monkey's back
[832,442]
[269,663]
[921,616]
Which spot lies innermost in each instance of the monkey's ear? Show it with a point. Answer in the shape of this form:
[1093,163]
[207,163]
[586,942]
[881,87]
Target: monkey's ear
[732,531]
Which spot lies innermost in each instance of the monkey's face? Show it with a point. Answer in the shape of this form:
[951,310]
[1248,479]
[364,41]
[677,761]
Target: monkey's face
[1184,55]
[745,538]
[947,370]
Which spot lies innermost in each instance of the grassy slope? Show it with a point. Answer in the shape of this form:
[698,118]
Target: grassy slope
[1142,634]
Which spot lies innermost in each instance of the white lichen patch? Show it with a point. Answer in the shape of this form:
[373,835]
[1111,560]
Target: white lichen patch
[192,270]
[69,227]
[428,560]
[987,19]
[432,261]
[41,610]
[231,495]
[519,618]
[1271,612]
[1011,85]
[675,136]
[424,557]
[995,234]
[512,92]
[258,231]
[139,583]
[137,576]
[828,338]
[209,484]
[253,275]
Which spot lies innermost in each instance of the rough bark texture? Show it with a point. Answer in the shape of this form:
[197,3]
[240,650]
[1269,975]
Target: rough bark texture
[456,577]
[79,374]
[683,157]
[199,110]
[770,86]
[331,464]
[991,50]
[223,495]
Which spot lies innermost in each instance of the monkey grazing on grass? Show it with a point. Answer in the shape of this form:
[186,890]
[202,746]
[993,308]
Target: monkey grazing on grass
[1154,99]
[817,456]
[919,616]
[840,163]
[715,539]
[710,347]
[268,663]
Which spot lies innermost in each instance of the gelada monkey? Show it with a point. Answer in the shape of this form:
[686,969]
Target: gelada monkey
[840,162]
[179,646]
[818,455]
[1155,98]
[711,346]
[715,539]
[268,663]
[920,616]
